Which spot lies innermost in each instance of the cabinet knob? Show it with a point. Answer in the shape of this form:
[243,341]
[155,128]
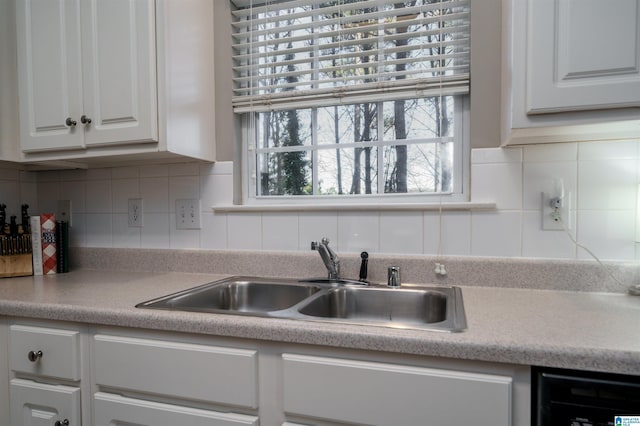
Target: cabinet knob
[34,355]
[64,422]
[85,120]
[70,122]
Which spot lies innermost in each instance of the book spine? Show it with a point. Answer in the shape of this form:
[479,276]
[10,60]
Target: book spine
[48,228]
[62,246]
[36,244]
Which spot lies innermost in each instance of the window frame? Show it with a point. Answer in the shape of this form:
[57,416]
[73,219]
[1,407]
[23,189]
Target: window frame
[461,171]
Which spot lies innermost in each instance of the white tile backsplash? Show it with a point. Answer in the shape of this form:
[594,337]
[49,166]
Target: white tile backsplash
[155,194]
[609,184]
[608,234]
[547,153]
[597,151]
[123,236]
[182,238]
[496,155]
[98,196]
[155,231]
[358,231]
[600,178]
[98,230]
[181,187]
[123,190]
[500,182]
[398,232]
[244,231]
[317,225]
[536,242]
[214,230]
[455,237]
[496,234]
[280,231]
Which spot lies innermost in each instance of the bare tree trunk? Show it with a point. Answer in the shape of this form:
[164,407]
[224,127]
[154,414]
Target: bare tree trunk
[355,181]
[445,161]
[401,150]
[336,123]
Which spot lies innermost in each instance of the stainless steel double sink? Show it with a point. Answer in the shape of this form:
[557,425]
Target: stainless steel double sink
[338,301]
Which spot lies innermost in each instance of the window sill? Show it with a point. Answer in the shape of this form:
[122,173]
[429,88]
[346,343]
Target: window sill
[450,206]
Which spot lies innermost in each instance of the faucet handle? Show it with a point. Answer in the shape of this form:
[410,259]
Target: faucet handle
[323,242]
[363,266]
[393,276]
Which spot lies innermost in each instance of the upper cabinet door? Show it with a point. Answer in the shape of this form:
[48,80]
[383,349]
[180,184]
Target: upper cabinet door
[119,71]
[582,55]
[87,73]
[50,74]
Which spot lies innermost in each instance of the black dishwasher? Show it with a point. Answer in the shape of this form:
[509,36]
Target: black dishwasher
[577,398]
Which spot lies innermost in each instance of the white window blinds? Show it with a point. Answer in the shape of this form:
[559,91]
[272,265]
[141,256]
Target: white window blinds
[308,53]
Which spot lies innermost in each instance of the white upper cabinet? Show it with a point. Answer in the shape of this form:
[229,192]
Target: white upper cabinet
[571,70]
[119,71]
[87,73]
[9,133]
[573,64]
[115,78]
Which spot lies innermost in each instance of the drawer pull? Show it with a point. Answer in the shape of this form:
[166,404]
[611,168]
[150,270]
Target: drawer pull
[65,422]
[34,355]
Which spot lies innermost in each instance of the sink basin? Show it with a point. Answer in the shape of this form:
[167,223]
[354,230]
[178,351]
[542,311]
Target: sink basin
[337,301]
[377,304]
[237,295]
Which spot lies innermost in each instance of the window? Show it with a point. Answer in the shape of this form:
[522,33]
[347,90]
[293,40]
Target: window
[352,97]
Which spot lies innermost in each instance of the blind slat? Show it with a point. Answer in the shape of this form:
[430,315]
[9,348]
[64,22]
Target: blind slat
[292,53]
[372,92]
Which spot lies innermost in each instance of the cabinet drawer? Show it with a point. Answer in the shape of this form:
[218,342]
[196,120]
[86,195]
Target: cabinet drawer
[60,351]
[110,409]
[42,404]
[388,394]
[184,370]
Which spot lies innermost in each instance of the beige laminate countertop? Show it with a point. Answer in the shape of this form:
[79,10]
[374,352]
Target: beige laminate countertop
[580,330]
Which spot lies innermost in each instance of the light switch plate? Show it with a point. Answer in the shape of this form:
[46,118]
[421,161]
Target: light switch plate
[188,213]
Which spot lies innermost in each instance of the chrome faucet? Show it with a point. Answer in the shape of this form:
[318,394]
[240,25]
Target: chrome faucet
[329,257]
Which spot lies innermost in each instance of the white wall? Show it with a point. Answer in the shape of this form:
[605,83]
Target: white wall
[600,178]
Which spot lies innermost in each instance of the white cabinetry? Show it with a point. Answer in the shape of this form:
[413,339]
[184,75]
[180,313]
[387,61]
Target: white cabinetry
[183,371]
[87,73]
[37,404]
[118,376]
[375,393]
[9,133]
[571,70]
[46,371]
[110,409]
[103,80]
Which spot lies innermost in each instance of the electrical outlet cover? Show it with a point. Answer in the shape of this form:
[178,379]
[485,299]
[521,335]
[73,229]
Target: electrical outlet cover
[549,222]
[135,212]
[188,213]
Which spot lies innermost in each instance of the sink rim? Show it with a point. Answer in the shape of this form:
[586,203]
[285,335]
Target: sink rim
[455,317]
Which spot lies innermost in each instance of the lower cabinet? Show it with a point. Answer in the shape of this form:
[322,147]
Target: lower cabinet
[198,372]
[180,372]
[38,404]
[112,409]
[375,393]
[106,376]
